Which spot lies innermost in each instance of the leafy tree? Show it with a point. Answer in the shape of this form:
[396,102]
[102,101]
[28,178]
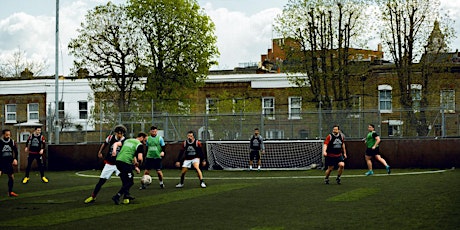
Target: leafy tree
[108,48]
[407,32]
[180,47]
[324,31]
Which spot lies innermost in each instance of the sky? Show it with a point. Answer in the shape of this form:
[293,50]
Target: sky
[243,28]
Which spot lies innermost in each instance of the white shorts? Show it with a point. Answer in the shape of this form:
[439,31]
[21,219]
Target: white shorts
[189,163]
[108,170]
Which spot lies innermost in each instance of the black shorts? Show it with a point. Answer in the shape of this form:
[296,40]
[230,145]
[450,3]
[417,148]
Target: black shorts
[254,155]
[372,152]
[333,161]
[153,163]
[6,165]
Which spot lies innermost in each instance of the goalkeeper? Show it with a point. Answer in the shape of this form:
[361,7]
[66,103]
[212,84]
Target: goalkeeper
[335,153]
[256,145]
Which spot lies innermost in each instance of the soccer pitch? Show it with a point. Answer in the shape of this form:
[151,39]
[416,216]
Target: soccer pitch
[406,199]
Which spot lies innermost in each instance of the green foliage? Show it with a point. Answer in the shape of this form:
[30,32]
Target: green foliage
[107,47]
[180,47]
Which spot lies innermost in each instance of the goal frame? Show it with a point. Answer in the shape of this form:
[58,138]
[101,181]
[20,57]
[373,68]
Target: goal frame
[279,155]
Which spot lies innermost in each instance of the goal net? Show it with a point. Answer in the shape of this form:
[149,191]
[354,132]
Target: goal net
[282,155]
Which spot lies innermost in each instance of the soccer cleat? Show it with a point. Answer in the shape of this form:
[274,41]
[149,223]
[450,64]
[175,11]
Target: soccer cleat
[45,180]
[25,180]
[90,200]
[162,185]
[369,173]
[12,194]
[326,181]
[179,185]
[338,180]
[388,169]
[116,199]
[203,185]
[126,201]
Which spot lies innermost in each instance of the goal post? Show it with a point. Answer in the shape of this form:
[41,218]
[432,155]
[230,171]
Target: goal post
[279,155]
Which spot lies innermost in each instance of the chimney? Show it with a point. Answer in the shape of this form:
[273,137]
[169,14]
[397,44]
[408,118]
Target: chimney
[379,47]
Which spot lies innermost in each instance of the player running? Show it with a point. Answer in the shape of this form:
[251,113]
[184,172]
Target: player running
[335,153]
[125,159]
[109,161]
[155,151]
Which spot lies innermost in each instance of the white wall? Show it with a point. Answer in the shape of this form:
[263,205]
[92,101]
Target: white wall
[69,91]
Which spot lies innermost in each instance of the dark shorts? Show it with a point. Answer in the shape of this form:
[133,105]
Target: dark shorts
[153,163]
[6,165]
[372,152]
[254,155]
[333,161]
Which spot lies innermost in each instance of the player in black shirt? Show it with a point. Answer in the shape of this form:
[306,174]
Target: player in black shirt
[8,159]
[193,153]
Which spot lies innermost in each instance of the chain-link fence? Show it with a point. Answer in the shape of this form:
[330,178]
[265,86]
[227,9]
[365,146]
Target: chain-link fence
[307,125]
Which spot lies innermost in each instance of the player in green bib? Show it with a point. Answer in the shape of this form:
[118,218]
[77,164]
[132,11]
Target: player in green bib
[131,152]
[372,141]
[155,151]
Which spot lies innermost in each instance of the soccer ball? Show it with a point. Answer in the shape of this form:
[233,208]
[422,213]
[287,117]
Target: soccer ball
[313,166]
[146,179]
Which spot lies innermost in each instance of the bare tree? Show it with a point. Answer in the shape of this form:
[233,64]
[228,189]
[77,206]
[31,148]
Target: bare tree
[407,28]
[324,30]
[13,65]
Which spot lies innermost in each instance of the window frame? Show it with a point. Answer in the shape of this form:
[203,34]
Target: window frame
[11,113]
[29,112]
[291,107]
[416,95]
[450,108]
[213,108]
[386,100]
[81,111]
[270,116]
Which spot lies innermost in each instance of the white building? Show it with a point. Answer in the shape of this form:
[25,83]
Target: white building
[75,97]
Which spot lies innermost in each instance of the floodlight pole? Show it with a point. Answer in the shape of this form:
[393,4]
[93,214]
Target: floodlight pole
[56,79]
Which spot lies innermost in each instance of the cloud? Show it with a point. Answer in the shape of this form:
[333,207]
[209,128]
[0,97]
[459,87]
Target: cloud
[27,33]
[240,37]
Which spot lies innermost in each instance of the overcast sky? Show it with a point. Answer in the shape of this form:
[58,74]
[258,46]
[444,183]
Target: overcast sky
[243,28]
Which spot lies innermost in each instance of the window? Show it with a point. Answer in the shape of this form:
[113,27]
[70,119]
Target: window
[238,106]
[83,109]
[32,112]
[268,107]
[211,106]
[274,134]
[416,94]
[394,130]
[448,100]
[394,127]
[61,110]
[24,136]
[385,98]
[10,113]
[295,107]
